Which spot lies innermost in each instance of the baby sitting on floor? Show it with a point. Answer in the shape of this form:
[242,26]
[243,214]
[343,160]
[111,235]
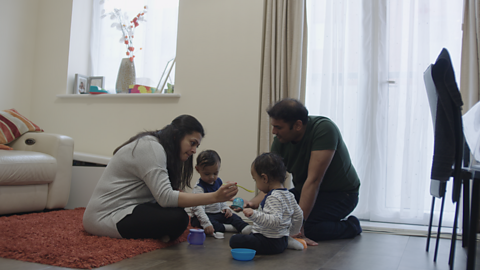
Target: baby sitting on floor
[217,217]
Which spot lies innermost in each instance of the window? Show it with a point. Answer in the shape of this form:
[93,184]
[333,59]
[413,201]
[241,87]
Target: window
[154,40]
[365,72]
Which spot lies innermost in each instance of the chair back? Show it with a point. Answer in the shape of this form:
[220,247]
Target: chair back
[431,93]
[445,105]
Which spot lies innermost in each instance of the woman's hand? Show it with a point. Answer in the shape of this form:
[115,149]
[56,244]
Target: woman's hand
[226,192]
[209,230]
[223,194]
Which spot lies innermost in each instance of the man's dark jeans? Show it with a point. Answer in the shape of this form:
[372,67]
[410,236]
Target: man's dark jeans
[326,221]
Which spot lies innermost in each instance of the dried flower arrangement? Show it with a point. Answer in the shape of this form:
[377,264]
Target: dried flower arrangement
[127,27]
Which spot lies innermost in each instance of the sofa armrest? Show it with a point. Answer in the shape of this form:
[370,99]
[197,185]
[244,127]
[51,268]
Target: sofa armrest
[61,148]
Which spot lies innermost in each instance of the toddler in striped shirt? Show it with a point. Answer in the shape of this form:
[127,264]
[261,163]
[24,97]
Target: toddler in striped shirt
[278,216]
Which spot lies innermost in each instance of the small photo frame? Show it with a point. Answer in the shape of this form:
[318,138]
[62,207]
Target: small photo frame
[81,84]
[165,77]
[96,81]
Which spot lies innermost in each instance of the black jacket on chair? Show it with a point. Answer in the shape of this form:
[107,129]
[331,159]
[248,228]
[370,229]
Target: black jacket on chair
[449,142]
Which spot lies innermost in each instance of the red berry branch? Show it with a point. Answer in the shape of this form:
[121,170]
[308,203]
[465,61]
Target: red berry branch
[127,27]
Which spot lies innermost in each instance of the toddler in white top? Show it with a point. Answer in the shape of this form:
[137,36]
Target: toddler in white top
[216,218]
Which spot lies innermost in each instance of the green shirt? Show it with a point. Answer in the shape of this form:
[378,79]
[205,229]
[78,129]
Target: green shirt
[321,134]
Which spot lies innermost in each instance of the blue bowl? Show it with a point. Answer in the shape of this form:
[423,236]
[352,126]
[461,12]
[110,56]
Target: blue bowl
[243,254]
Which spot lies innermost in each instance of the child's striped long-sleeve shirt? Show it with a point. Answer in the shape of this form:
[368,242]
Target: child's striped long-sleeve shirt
[278,215]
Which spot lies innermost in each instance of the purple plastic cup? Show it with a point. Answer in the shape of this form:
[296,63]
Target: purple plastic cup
[196,237]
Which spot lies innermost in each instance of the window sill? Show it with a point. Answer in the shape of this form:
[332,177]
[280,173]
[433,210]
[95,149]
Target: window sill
[112,96]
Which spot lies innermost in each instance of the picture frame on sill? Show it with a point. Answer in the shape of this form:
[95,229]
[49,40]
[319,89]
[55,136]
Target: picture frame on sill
[81,84]
[165,78]
[96,81]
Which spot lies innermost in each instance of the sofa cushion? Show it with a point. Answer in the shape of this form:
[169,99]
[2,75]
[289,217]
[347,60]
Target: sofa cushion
[14,125]
[26,168]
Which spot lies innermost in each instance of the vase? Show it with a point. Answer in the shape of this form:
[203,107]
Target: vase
[126,75]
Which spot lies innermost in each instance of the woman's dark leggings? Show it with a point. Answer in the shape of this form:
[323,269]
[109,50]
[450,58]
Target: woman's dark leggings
[150,220]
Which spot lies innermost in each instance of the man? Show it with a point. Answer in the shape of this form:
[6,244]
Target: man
[325,182]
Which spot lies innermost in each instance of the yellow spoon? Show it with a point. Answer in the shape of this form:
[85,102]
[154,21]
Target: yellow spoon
[246,189]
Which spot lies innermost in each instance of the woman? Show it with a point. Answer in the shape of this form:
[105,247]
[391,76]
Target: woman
[138,194]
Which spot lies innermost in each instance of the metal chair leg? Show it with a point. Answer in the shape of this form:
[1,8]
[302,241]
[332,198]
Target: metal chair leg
[466,211]
[472,241]
[439,229]
[454,237]
[430,223]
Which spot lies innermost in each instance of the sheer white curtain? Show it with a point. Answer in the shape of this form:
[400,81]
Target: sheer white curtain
[470,79]
[365,71]
[284,60]
[157,38]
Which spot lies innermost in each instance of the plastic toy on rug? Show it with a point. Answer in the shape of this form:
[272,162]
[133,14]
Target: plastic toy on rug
[141,89]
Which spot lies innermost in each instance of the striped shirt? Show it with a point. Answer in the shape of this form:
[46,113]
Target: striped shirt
[278,215]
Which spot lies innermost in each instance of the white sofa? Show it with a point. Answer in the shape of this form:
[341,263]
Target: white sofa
[36,174]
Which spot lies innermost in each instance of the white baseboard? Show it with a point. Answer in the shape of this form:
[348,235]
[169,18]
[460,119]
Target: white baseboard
[409,230]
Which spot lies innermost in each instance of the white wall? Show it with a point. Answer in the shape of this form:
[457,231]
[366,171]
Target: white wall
[19,34]
[79,46]
[217,75]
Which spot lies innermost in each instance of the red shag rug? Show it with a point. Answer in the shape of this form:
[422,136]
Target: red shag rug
[58,238]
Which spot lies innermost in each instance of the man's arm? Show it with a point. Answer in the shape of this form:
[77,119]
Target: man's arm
[318,165]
